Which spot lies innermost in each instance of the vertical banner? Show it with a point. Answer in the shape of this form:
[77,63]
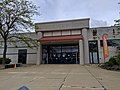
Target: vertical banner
[105,46]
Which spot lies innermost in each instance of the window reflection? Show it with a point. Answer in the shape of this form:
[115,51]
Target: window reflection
[60,54]
[111,42]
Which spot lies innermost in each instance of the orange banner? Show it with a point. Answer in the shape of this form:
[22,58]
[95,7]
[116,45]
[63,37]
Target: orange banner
[105,46]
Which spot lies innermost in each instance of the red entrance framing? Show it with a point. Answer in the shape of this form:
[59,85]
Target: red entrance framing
[55,39]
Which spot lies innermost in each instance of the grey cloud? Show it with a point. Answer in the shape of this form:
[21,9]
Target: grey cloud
[98,23]
[106,10]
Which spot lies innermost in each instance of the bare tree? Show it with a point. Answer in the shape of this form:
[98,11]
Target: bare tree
[16,17]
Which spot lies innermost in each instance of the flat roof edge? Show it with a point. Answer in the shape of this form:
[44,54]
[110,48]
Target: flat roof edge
[63,21]
[100,27]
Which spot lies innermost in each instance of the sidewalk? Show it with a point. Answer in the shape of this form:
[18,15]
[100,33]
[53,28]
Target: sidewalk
[59,77]
[108,79]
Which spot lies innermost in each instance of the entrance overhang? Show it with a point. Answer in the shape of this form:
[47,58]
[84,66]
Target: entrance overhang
[57,39]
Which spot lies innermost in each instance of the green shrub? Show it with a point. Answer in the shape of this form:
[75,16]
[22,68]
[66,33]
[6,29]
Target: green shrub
[7,61]
[112,61]
[106,64]
[118,59]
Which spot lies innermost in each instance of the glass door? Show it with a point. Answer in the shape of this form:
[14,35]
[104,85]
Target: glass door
[22,56]
[60,54]
[93,52]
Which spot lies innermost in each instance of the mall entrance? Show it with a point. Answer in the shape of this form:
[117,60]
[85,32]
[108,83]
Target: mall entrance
[60,54]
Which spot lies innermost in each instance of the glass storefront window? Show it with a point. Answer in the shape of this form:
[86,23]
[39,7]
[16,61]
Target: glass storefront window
[111,42]
[63,54]
[56,49]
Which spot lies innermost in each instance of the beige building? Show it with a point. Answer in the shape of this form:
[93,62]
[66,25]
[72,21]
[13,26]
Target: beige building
[66,42]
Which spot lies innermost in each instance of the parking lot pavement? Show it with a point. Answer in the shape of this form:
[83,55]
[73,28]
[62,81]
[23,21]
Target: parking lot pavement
[59,77]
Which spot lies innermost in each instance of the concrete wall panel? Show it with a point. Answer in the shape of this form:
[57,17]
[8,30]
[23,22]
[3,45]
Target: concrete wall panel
[62,25]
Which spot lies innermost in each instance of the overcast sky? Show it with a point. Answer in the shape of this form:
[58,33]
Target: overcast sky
[101,12]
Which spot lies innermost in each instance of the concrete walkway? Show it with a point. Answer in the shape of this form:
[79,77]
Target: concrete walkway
[60,77]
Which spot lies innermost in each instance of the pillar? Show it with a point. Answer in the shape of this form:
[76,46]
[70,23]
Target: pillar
[81,58]
[85,46]
[39,54]
[39,50]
